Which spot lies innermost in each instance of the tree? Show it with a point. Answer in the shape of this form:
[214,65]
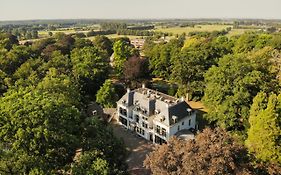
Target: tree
[265,130]
[106,95]
[90,68]
[3,86]
[50,34]
[161,57]
[98,138]
[237,80]
[196,57]
[212,152]
[104,43]
[10,61]
[245,43]
[42,132]
[8,40]
[122,51]
[135,68]
[80,43]
[90,163]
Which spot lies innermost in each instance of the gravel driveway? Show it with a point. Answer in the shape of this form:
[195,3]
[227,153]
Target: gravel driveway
[137,146]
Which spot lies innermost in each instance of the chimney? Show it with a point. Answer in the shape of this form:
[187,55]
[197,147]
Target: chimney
[182,99]
[130,96]
[143,85]
[187,97]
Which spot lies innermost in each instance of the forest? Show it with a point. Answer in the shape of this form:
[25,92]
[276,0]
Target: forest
[46,85]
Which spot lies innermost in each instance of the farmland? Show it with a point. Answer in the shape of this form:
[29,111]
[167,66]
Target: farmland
[199,28]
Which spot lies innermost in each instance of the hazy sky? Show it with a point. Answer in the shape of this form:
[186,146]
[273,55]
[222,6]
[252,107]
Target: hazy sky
[61,9]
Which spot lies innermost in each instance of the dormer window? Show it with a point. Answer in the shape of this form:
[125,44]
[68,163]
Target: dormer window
[175,119]
[157,111]
[162,118]
[189,111]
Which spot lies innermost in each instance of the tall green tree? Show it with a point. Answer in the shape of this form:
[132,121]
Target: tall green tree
[265,128]
[91,163]
[39,128]
[232,85]
[195,58]
[10,61]
[106,95]
[90,68]
[104,43]
[122,51]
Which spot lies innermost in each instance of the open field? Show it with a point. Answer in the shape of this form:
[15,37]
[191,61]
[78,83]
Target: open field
[117,36]
[43,33]
[200,28]
[203,28]
[174,30]
[234,32]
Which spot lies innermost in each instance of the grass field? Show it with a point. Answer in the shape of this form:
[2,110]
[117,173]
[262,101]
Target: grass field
[44,33]
[174,30]
[234,32]
[117,36]
[203,28]
[200,28]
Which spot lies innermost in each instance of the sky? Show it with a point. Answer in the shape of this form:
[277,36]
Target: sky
[138,9]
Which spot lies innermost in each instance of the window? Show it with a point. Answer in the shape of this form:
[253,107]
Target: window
[189,122]
[123,111]
[164,132]
[182,123]
[137,118]
[158,129]
[144,125]
[178,127]
[123,120]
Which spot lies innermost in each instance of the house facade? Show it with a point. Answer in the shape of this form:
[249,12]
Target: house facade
[153,115]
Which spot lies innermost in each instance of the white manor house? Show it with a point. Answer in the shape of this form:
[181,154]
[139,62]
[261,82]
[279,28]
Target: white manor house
[155,116]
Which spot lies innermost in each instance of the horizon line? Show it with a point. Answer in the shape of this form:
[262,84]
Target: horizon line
[145,19]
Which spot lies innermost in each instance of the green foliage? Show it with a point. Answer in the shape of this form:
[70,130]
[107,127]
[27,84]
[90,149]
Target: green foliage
[3,86]
[90,163]
[122,51]
[7,41]
[10,61]
[161,57]
[231,86]
[104,43]
[90,68]
[41,125]
[245,43]
[106,95]
[99,137]
[196,57]
[265,130]
[80,43]
[88,62]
